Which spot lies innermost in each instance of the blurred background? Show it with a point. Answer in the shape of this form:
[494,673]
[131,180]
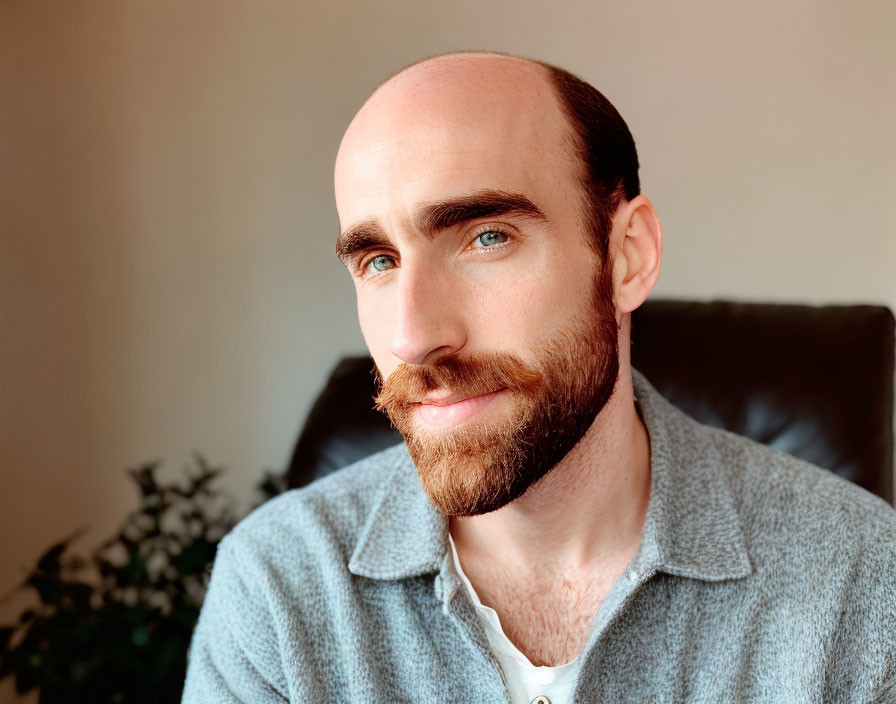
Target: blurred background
[167,225]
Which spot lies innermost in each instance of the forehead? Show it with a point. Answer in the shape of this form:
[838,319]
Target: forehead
[446,131]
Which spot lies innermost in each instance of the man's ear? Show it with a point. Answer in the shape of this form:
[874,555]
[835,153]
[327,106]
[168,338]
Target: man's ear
[637,250]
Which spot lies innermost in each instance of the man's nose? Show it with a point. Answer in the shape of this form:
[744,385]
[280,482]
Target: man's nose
[429,321]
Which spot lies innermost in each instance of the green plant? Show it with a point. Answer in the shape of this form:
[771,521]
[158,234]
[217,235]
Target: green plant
[116,627]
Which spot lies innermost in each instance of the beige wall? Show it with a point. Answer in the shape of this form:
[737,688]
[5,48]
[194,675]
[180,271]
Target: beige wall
[167,281]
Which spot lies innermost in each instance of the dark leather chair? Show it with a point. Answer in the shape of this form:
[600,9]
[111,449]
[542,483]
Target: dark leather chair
[816,382]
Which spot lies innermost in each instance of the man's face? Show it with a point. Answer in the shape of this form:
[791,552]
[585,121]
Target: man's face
[490,321]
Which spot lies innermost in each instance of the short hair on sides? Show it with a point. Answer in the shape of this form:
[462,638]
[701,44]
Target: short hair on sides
[606,149]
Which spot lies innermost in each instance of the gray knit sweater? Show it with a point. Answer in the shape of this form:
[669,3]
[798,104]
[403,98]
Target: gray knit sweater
[760,578]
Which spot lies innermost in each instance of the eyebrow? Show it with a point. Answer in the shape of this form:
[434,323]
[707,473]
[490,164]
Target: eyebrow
[432,218]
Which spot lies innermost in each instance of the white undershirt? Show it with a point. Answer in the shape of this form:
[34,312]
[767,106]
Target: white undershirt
[525,681]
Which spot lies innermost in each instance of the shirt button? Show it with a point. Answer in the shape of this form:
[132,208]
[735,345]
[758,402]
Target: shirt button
[540,699]
[633,576]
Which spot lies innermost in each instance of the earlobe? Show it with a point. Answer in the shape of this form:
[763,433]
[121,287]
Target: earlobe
[639,253]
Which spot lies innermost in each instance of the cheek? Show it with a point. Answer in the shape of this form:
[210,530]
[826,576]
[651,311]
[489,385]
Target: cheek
[377,310]
[376,326]
[519,311]
[503,305]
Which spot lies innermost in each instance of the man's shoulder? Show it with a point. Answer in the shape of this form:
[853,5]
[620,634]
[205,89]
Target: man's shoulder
[766,479]
[776,496]
[321,520]
[788,503]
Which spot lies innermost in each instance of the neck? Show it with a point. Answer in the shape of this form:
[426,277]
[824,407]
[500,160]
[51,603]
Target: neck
[588,511]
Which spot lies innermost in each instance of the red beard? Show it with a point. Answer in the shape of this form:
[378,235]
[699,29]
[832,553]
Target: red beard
[480,466]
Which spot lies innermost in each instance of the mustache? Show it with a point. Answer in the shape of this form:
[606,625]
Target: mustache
[468,376]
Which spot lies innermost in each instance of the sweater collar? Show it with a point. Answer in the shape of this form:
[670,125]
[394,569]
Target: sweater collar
[692,528]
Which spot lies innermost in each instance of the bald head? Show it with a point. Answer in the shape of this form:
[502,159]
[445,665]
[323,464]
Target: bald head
[470,83]
[478,106]
[469,111]
[470,66]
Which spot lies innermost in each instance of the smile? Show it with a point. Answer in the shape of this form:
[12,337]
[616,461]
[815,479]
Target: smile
[446,415]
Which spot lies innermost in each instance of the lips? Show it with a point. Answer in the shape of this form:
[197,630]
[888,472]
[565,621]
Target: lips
[453,410]
[444,400]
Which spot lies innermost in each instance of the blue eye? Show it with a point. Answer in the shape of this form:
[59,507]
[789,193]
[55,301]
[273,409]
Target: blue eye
[382,262]
[490,238]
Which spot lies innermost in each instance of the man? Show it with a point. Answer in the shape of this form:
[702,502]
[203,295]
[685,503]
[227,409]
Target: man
[552,530]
